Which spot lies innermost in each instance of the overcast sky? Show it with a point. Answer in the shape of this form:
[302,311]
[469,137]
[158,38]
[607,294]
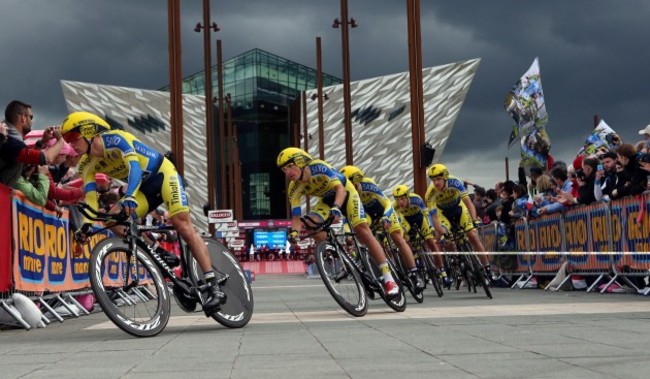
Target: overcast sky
[592,56]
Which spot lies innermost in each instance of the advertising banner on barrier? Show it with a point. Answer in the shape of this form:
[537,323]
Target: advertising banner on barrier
[42,258]
[5,245]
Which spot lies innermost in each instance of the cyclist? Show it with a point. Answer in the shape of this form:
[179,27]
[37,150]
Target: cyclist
[337,197]
[414,212]
[379,208]
[447,194]
[151,180]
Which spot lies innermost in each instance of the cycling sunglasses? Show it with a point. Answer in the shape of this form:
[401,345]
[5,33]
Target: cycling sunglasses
[70,137]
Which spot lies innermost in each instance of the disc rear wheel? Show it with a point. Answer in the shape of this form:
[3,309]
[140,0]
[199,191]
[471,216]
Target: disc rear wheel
[237,311]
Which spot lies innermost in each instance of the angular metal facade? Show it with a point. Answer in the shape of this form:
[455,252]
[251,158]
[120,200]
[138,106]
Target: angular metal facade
[381,120]
[146,114]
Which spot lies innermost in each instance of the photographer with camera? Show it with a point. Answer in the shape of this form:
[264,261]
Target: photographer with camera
[634,177]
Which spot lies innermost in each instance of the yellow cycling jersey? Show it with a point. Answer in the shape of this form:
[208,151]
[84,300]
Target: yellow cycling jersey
[375,202]
[447,199]
[415,207]
[321,184]
[150,177]
[415,213]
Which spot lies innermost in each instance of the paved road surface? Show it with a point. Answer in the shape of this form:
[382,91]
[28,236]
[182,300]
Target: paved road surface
[298,331]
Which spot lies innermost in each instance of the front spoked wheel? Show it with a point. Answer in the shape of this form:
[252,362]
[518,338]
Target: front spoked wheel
[129,288]
[237,311]
[341,279]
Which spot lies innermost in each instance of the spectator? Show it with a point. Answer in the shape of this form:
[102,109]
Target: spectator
[3,133]
[645,132]
[480,201]
[634,178]
[34,184]
[607,177]
[507,201]
[563,184]
[14,153]
[492,202]
[520,206]
[586,181]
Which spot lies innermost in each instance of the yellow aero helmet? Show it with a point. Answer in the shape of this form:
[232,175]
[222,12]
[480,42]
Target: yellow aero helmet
[293,155]
[438,170]
[84,124]
[353,173]
[401,190]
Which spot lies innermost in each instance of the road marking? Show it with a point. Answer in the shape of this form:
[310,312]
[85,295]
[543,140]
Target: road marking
[432,312]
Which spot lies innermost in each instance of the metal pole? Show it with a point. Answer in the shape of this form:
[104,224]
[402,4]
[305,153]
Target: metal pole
[319,84]
[222,133]
[507,169]
[303,119]
[417,116]
[347,112]
[231,143]
[209,118]
[239,207]
[175,83]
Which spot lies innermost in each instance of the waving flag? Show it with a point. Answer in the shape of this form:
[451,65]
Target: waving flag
[525,103]
[602,139]
[535,148]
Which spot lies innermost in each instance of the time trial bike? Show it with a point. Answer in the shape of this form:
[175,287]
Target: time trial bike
[348,271]
[129,278]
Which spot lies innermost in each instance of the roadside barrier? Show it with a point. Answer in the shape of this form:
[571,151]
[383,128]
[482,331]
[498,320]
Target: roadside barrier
[36,259]
[608,241]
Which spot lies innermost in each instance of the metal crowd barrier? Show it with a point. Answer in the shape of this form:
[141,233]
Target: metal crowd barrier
[608,241]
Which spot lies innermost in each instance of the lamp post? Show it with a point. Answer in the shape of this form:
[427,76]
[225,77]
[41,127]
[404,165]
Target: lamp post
[207,26]
[345,47]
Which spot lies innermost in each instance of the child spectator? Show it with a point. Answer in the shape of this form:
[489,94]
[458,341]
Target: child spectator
[520,206]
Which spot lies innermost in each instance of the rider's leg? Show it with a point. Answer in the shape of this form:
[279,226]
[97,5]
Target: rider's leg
[409,260]
[404,249]
[377,253]
[183,225]
[477,245]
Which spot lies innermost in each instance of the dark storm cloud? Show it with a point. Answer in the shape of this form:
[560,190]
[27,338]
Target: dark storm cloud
[593,55]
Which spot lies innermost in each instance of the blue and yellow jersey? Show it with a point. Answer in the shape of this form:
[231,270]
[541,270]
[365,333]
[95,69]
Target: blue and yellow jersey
[131,161]
[375,203]
[447,199]
[321,184]
[415,211]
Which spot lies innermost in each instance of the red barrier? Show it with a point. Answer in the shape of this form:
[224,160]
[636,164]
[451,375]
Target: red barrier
[5,241]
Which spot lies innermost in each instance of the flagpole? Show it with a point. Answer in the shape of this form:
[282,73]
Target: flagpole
[507,170]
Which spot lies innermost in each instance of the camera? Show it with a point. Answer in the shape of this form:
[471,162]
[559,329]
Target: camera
[600,167]
[644,158]
[580,174]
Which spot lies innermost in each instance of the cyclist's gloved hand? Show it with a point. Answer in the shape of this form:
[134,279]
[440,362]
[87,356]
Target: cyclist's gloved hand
[335,211]
[386,222]
[478,223]
[81,234]
[129,205]
[293,235]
